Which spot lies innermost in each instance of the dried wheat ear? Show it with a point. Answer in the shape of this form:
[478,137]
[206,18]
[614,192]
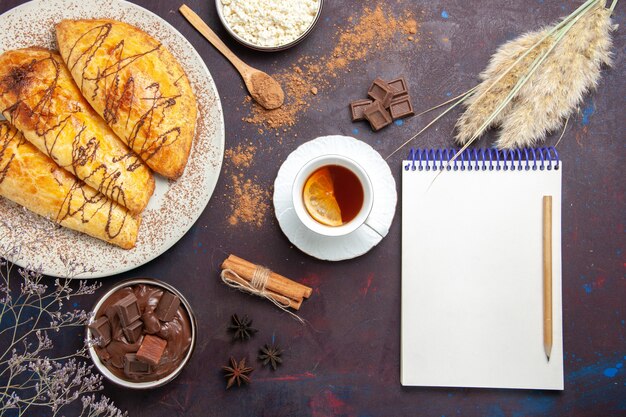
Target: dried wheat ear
[570,69]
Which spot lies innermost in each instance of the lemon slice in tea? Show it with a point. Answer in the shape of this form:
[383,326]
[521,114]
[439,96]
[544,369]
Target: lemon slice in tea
[319,198]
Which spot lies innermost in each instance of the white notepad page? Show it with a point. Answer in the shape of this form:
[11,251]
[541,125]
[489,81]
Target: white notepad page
[472,279]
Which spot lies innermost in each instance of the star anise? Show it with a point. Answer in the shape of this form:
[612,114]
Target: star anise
[241,327]
[237,372]
[270,354]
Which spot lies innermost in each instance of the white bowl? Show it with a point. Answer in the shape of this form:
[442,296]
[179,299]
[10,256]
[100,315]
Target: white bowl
[219,6]
[149,384]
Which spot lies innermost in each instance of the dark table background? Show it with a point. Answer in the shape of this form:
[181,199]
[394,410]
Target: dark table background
[346,362]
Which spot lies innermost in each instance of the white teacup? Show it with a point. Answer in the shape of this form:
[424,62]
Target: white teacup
[303,214]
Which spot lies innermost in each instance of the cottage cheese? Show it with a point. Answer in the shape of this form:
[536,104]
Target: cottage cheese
[270,22]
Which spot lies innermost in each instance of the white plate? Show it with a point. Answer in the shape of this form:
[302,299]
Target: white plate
[362,239]
[175,205]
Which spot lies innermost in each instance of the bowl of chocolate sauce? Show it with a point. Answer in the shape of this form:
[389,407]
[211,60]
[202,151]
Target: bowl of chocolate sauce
[142,333]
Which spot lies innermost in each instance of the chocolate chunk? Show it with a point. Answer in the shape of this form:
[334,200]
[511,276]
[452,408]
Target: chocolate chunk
[101,330]
[398,86]
[151,324]
[377,115]
[357,107]
[114,320]
[134,367]
[133,331]
[167,307]
[151,349]
[110,312]
[381,91]
[118,349]
[401,107]
[128,310]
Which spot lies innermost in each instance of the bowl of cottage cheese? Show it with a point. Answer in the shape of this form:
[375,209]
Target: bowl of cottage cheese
[269,25]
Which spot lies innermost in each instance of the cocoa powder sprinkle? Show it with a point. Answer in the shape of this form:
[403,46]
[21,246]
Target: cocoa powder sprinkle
[266,91]
[250,202]
[241,156]
[370,33]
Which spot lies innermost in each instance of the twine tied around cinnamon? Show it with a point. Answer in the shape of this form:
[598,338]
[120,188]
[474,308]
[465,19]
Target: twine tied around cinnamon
[257,286]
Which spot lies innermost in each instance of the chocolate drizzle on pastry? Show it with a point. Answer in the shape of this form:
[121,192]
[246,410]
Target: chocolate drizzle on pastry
[121,95]
[38,96]
[136,85]
[7,135]
[33,180]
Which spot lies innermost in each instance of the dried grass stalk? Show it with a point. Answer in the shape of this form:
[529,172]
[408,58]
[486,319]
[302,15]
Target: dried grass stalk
[551,93]
[497,83]
[558,87]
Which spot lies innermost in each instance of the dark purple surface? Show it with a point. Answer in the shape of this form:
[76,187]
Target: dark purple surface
[346,361]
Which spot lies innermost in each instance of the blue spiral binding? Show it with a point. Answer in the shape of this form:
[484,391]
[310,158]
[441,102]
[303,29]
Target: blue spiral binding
[483,159]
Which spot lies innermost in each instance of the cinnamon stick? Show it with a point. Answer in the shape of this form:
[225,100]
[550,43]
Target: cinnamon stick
[276,282]
[306,291]
[295,304]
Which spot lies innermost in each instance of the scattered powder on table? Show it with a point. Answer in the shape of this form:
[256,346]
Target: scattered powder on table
[250,202]
[241,156]
[410,26]
[297,86]
[374,31]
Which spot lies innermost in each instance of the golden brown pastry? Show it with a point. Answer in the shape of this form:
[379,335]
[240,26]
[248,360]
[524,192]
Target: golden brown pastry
[40,98]
[31,179]
[136,85]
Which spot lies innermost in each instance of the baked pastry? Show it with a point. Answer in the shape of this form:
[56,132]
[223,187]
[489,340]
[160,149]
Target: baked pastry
[33,180]
[40,98]
[136,85]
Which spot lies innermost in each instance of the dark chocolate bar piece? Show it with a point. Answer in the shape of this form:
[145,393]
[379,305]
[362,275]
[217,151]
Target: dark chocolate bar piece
[381,91]
[167,307]
[128,310]
[151,349]
[133,331]
[401,107]
[114,320]
[135,367]
[377,115]
[398,86]
[110,312]
[357,107]
[101,330]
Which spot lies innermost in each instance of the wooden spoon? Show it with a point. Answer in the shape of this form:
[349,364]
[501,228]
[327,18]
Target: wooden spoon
[264,89]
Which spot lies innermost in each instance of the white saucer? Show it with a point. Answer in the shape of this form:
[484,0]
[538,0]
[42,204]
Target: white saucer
[362,239]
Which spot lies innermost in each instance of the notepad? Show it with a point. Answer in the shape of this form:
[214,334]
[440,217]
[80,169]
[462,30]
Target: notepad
[472,278]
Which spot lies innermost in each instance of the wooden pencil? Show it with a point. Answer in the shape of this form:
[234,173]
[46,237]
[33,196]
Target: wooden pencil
[547,275]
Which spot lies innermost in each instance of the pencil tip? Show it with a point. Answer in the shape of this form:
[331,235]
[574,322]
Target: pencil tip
[548,356]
